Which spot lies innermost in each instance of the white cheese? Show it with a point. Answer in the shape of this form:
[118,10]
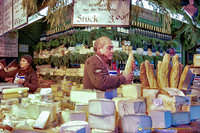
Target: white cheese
[76,129]
[83,96]
[161,119]
[81,107]
[102,122]
[131,106]
[42,120]
[194,113]
[101,107]
[196,59]
[131,91]
[75,124]
[136,123]
[180,118]
[71,115]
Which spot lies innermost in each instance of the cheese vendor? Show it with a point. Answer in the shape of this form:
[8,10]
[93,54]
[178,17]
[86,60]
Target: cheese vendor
[96,72]
[25,75]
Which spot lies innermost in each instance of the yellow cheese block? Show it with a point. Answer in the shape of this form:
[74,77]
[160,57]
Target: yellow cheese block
[196,60]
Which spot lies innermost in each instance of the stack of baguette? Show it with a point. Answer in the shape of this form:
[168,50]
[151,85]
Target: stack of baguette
[166,75]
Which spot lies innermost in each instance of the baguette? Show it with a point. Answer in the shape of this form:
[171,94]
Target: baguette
[143,76]
[174,75]
[150,75]
[128,67]
[183,76]
[164,71]
[158,68]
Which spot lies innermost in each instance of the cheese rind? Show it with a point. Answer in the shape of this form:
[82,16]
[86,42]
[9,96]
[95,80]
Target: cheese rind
[101,131]
[77,129]
[102,107]
[161,119]
[102,122]
[180,118]
[136,123]
[194,113]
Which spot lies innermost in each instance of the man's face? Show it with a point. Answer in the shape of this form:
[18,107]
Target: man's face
[107,50]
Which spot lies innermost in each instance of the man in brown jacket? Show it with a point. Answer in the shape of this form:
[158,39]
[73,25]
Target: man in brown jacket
[96,72]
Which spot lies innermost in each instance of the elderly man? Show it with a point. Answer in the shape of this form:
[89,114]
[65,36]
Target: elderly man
[96,72]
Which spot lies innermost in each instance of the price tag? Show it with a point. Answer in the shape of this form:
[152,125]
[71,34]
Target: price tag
[158,102]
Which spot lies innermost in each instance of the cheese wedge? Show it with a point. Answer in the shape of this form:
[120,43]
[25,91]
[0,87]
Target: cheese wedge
[42,120]
[102,122]
[101,107]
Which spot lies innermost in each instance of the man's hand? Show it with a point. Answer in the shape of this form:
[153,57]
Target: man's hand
[133,66]
[20,81]
[1,66]
[129,78]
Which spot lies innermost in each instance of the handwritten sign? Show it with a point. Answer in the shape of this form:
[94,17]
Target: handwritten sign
[1,17]
[9,45]
[7,15]
[19,15]
[89,12]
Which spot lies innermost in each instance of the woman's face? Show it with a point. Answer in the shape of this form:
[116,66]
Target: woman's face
[24,63]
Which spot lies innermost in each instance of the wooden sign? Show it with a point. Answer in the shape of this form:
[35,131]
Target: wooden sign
[9,45]
[93,13]
[7,15]
[19,15]
[1,17]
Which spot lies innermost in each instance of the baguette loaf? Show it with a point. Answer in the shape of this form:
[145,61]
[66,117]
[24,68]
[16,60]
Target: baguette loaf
[143,76]
[183,76]
[174,75]
[150,75]
[158,68]
[128,67]
[164,71]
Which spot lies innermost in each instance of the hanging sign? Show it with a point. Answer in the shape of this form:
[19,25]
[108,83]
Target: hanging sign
[9,45]
[1,17]
[96,13]
[19,15]
[7,15]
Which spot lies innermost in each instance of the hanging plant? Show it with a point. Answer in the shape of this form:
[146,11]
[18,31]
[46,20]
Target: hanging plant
[56,12]
[30,6]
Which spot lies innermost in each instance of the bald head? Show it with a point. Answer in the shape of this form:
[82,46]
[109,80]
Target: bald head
[100,42]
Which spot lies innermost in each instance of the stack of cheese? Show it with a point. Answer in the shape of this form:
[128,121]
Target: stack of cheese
[131,111]
[102,115]
[17,92]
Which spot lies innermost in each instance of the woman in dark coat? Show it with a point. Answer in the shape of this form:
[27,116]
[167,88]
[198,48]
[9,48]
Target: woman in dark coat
[25,74]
